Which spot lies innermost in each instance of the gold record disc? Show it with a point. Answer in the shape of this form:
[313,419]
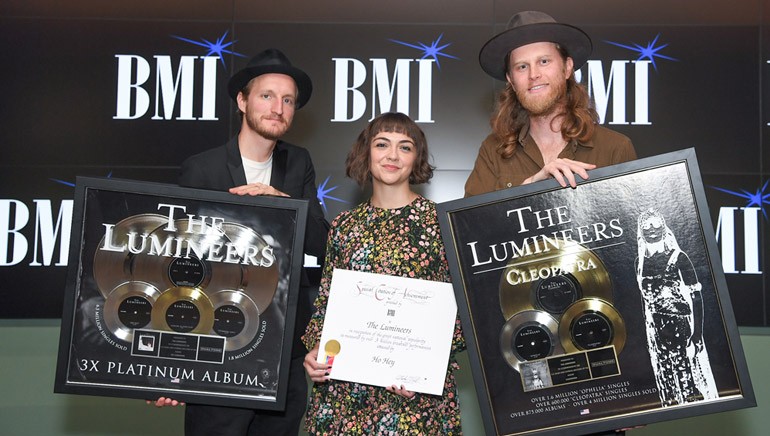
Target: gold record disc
[551,279]
[260,268]
[179,265]
[128,307]
[183,309]
[236,317]
[529,335]
[592,323]
[111,268]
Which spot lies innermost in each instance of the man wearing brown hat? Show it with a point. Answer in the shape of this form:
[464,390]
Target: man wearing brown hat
[257,162]
[544,125]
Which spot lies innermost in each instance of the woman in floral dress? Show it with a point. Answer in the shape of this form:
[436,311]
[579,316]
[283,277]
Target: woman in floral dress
[396,233]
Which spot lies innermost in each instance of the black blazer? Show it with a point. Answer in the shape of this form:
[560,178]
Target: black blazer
[221,168]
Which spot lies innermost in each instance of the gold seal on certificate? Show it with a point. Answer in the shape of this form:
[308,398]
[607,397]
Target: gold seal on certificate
[592,323]
[331,349]
[552,278]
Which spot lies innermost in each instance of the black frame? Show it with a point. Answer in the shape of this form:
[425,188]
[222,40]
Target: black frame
[601,213]
[205,360]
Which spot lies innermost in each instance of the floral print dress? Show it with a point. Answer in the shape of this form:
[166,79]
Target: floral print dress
[401,242]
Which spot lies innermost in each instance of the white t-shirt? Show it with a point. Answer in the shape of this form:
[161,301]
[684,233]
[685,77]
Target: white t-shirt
[258,172]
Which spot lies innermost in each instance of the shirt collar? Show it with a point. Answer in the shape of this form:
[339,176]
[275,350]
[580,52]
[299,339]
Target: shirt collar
[572,145]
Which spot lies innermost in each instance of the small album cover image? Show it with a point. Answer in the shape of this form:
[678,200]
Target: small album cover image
[535,375]
[146,343]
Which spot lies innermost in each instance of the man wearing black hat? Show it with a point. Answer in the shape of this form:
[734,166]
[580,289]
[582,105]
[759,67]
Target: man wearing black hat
[544,125]
[257,162]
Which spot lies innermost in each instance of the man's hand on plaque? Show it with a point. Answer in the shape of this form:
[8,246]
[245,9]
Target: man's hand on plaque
[165,401]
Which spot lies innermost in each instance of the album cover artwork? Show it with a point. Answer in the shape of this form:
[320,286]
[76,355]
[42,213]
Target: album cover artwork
[178,292]
[599,307]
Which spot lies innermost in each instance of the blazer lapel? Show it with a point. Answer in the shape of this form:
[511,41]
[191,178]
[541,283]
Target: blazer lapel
[278,177]
[235,163]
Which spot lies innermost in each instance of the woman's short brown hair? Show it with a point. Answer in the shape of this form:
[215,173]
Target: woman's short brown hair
[357,163]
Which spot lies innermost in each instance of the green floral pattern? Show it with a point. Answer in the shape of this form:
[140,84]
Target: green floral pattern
[402,242]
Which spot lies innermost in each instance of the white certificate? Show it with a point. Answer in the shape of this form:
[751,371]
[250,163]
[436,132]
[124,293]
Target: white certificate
[384,330]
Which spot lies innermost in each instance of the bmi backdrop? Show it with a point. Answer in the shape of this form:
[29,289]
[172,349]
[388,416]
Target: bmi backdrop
[130,89]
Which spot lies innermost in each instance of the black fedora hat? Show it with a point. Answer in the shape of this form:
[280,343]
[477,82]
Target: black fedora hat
[271,61]
[529,27]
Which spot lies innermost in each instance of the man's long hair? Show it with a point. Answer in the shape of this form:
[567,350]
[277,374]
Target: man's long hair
[578,118]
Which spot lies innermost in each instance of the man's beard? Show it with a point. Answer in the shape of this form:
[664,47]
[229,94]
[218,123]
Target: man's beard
[543,105]
[271,133]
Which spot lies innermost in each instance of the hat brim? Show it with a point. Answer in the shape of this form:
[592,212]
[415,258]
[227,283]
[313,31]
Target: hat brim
[242,77]
[492,56]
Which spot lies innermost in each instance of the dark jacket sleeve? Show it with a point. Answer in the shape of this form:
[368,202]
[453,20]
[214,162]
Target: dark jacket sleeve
[191,175]
[207,170]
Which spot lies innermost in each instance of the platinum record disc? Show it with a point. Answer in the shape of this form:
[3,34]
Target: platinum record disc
[529,335]
[181,264]
[112,268]
[259,265]
[128,307]
[236,317]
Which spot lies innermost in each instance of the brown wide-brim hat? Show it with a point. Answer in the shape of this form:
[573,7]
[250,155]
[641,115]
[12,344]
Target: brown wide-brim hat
[526,28]
[271,61]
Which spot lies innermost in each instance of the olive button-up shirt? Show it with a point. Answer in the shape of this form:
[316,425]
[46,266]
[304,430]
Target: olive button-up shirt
[491,172]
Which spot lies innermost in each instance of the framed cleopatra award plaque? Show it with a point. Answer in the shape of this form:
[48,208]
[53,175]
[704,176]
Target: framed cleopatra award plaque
[178,292]
[599,307]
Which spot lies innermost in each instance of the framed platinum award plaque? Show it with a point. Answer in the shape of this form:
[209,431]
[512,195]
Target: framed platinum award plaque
[179,292]
[599,307]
